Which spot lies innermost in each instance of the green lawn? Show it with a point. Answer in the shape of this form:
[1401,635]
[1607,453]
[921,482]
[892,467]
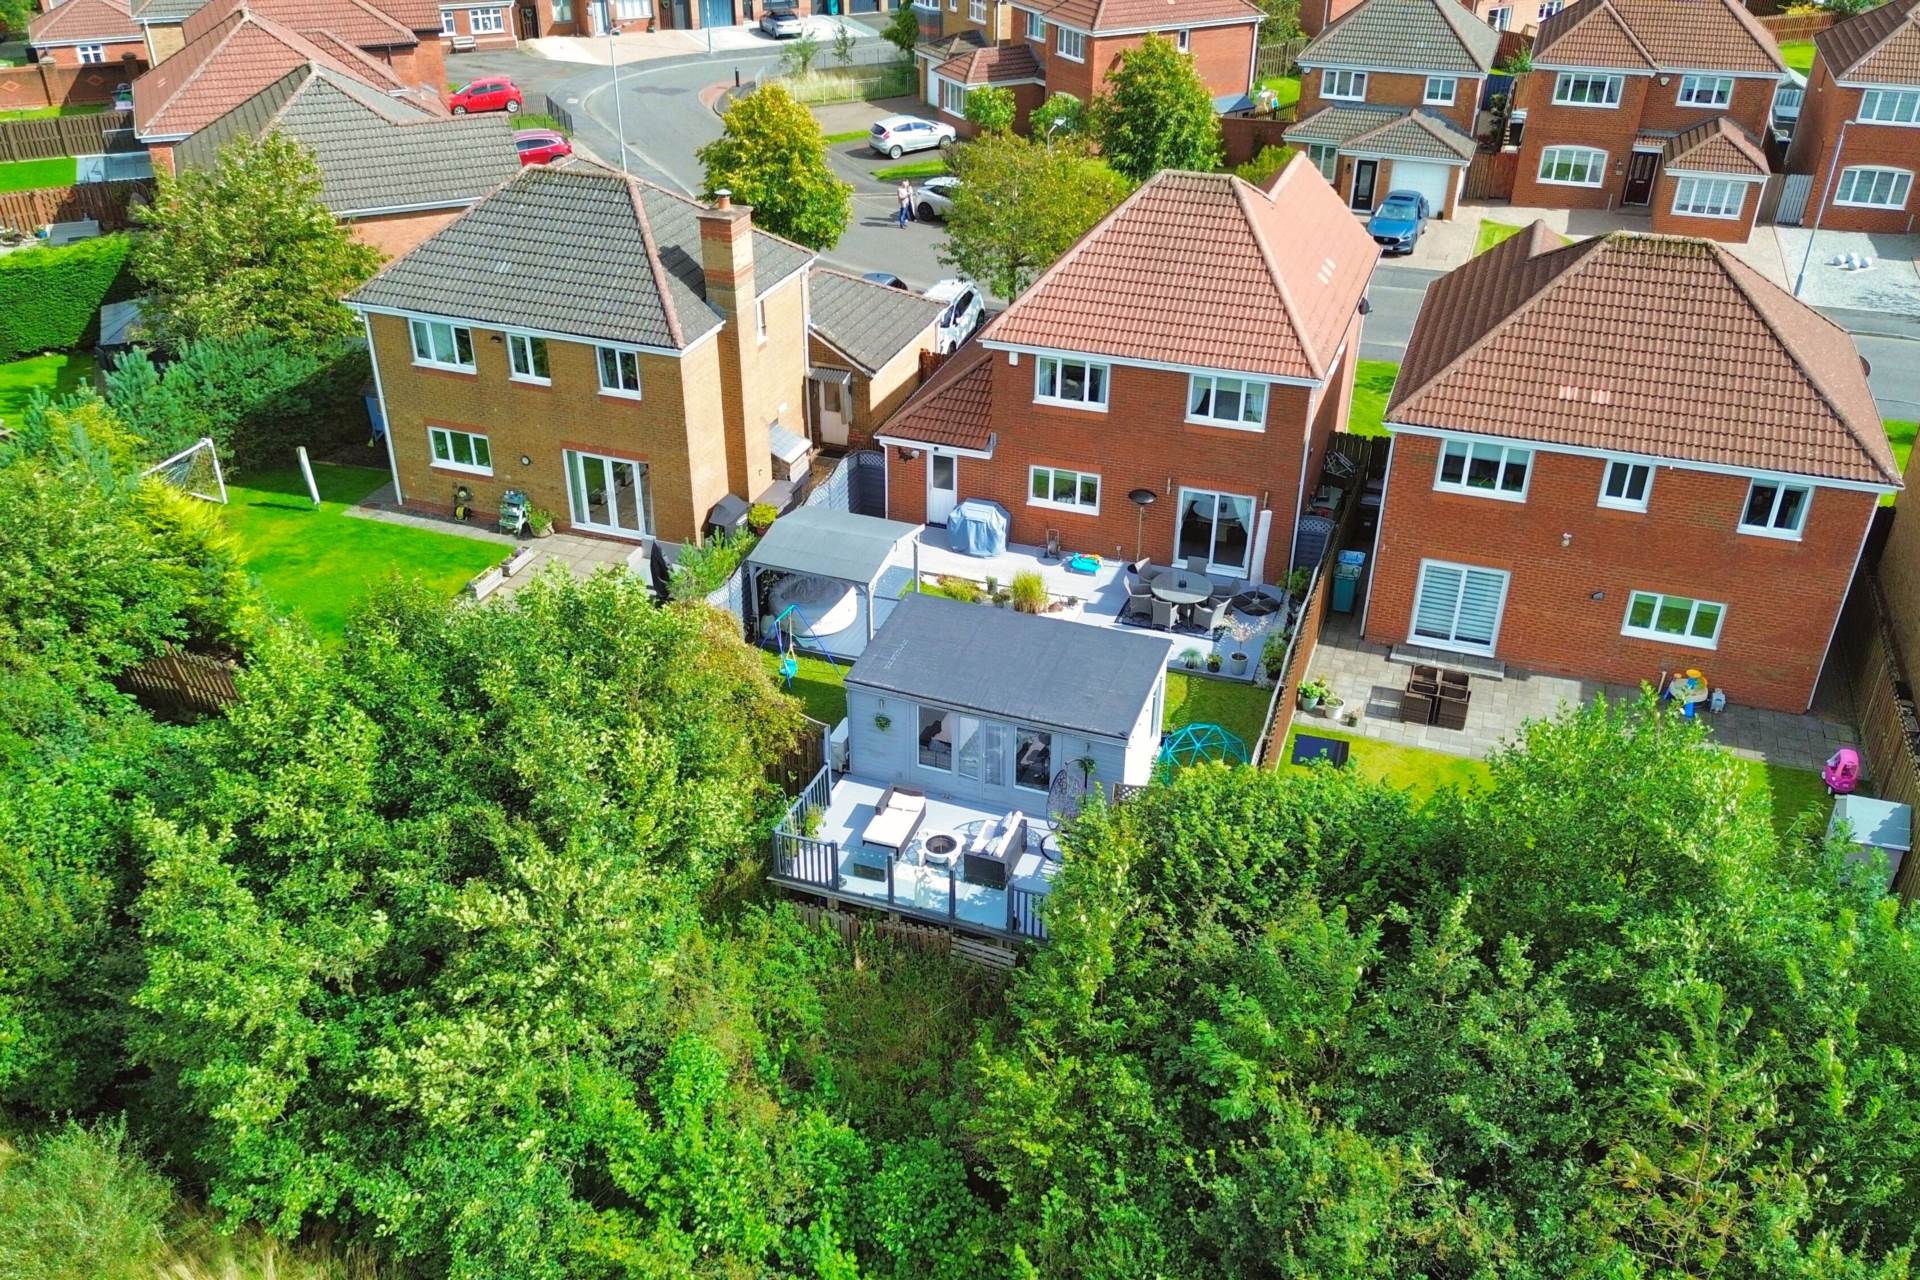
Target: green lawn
[819,684]
[851,135]
[1237,707]
[50,113]
[1900,435]
[1372,384]
[1421,771]
[320,564]
[32,175]
[1286,90]
[1492,233]
[57,375]
[1793,790]
[915,169]
[1797,54]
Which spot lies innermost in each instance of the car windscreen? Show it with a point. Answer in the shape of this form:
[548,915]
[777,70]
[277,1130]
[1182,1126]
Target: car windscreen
[1400,208]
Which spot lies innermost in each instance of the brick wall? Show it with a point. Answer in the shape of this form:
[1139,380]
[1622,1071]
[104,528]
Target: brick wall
[1823,109]
[1782,597]
[1391,89]
[397,233]
[1223,56]
[1732,230]
[1899,571]
[44,85]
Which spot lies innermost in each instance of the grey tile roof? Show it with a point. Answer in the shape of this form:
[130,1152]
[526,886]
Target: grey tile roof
[572,249]
[166,10]
[868,323]
[1387,131]
[1406,35]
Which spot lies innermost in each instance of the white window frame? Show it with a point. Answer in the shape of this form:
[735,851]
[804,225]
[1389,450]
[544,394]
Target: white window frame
[1901,179]
[1781,488]
[1214,566]
[1013,758]
[1611,86]
[493,25]
[955,105]
[1058,366]
[563,10]
[1597,166]
[1660,599]
[1415,636]
[436,435]
[1500,17]
[1325,157]
[1077,39]
[1341,85]
[1719,91]
[619,390]
[446,22]
[1431,98]
[1036,28]
[1900,107]
[1629,465]
[1249,390]
[1077,506]
[524,342]
[1507,453]
[1692,197]
[1181,38]
[977,11]
[91,55]
[1550,7]
[417,328]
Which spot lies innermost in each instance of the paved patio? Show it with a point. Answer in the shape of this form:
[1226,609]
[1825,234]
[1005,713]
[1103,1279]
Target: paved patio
[1365,679]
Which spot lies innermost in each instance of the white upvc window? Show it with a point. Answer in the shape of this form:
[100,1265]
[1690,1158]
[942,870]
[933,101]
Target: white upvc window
[1219,401]
[1871,187]
[977,11]
[1325,157]
[1709,197]
[460,450]
[91,54]
[1550,7]
[1500,18]
[1071,45]
[1344,86]
[441,345]
[1889,106]
[1036,28]
[1706,91]
[1076,384]
[1063,490]
[563,10]
[1440,91]
[1573,166]
[1587,89]
[527,359]
[1626,484]
[1776,509]
[1653,615]
[1180,38]
[1484,469]
[446,22]
[619,372]
[486,22]
[953,97]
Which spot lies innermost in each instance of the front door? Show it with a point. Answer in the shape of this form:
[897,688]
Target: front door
[943,486]
[529,22]
[1640,172]
[1365,174]
[1458,606]
[609,495]
[1216,527]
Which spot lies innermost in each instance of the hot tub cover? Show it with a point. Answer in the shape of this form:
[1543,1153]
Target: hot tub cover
[978,528]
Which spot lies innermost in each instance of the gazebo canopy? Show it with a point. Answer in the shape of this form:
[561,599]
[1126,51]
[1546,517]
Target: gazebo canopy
[831,544]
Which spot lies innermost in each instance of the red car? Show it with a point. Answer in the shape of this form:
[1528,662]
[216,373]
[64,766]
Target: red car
[541,146]
[499,94]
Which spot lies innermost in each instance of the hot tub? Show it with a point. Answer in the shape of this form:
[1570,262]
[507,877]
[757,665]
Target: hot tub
[822,606]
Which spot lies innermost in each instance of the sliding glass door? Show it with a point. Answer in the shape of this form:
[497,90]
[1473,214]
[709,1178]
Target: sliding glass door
[610,495]
[1218,527]
[1458,606]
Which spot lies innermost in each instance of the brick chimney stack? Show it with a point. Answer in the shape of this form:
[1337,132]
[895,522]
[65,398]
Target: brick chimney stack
[726,260]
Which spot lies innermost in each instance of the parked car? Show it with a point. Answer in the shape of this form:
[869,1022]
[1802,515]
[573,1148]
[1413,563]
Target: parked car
[1396,225]
[541,146]
[897,135]
[781,20]
[888,279]
[965,313]
[500,94]
[935,197]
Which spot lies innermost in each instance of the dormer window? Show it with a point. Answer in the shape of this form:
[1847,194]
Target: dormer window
[1347,86]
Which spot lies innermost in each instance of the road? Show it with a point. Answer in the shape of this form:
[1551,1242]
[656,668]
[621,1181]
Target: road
[666,105]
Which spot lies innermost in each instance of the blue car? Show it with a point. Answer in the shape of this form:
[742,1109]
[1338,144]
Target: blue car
[1396,225]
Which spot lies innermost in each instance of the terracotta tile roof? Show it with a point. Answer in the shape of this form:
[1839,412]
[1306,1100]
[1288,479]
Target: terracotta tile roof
[1717,146]
[102,21]
[1387,131]
[1000,64]
[1577,346]
[229,64]
[354,21]
[1207,269]
[1142,15]
[1657,35]
[1406,35]
[954,407]
[1880,46]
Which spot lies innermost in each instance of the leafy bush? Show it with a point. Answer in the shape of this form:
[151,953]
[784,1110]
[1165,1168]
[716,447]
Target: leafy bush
[761,515]
[702,570]
[991,110]
[1029,591]
[1261,169]
[81,1202]
[1061,114]
[50,298]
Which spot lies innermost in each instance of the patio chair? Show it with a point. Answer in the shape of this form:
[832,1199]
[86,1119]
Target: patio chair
[1139,603]
[1163,612]
[1141,568]
[1416,708]
[1209,616]
[1451,712]
[1197,564]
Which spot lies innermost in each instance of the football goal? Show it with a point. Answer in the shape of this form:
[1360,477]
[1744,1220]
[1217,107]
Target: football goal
[196,469]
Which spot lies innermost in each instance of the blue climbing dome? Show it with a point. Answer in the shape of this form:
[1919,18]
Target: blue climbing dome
[1201,741]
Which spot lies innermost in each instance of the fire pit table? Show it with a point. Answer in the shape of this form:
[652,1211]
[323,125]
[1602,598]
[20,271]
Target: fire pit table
[940,850]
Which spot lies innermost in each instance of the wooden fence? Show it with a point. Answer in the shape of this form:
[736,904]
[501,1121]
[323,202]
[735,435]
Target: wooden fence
[179,685]
[41,84]
[944,942]
[1883,707]
[1491,175]
[1797,26]
[110,131]
[108,203]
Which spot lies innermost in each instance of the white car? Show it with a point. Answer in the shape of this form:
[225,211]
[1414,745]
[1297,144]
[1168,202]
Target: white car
[965,313]
[934,199]
[897,135]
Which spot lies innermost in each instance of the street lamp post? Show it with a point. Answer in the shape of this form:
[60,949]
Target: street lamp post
[1813,233]
[619,109]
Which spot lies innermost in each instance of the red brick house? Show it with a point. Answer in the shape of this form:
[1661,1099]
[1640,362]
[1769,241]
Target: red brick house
[1387,100]
[86,33]
[1617,85]
[1625,456]
[1859,128]
[1217,398]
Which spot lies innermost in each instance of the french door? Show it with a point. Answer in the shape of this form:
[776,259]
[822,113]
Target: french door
[609,495]
[1218,526]
[1458,606]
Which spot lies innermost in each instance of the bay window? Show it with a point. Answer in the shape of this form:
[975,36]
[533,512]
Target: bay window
[1709,197]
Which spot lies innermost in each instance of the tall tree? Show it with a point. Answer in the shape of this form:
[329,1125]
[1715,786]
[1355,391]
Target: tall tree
[1156,113]
[248,246]
[771,155]
[1020,206]
[992,109]
[902,30]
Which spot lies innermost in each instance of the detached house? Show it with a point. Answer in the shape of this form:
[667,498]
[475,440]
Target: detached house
[1617,106]
[1859,127]
[1626,456]
[866,342]
[1387,100]
[1167,389]
[86,33]
[625,357]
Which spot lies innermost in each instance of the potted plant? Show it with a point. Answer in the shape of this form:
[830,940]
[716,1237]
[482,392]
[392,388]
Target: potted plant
[1190,659]
[1313,692]
[1239,632]
[1273,655]
[883,722]
[540,522]
[1213,663]
[760,517]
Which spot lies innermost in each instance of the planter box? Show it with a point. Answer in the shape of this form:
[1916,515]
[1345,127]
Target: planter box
[482,585]
[517,561]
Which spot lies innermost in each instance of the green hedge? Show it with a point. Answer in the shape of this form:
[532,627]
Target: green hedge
[50,299]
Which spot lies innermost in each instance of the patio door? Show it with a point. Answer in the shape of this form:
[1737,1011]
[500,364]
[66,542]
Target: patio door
[609,495]
[1218,526]
[1458,606]
[943,486]
[980,751]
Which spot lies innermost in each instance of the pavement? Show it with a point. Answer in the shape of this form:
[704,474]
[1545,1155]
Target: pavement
[644,46]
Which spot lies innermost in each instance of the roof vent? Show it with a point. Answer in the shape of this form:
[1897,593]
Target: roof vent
[1326,270]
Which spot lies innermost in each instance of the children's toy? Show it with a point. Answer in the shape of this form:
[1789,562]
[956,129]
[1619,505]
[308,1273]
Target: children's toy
[1842,772]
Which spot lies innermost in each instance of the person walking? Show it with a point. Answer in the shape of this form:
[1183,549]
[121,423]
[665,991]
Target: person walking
[905,193]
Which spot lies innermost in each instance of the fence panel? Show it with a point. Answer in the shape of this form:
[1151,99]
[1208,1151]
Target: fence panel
[1883,707]
[178,685]
[41,84]
[1791,210]
[108,133]
[1491,175]
[108,203]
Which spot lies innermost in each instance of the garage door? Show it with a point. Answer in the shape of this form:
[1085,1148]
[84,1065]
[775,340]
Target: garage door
[1431,180]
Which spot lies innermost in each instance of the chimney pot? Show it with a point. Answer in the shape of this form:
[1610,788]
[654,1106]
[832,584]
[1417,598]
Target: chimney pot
[723,199]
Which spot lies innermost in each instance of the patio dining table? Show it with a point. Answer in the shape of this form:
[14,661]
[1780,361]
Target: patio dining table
[1179,586]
